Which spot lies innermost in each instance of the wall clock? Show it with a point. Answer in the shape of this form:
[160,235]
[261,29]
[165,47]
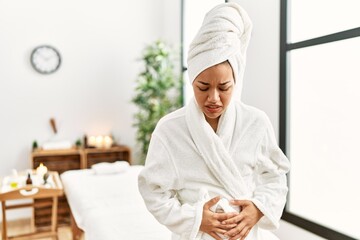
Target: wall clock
[45,59]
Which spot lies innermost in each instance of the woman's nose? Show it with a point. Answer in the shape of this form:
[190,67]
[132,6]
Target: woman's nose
[213,95]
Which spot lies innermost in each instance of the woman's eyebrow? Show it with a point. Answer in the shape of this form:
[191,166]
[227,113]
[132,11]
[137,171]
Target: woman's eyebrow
[224,83]
[205,83]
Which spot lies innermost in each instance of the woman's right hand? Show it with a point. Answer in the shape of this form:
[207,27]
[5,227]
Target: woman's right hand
[211,222]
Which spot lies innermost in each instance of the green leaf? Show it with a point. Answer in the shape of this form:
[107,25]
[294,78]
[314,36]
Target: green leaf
[152,91]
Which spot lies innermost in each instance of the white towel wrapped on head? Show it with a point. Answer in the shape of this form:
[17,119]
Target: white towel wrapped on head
[224,35]
[110,168]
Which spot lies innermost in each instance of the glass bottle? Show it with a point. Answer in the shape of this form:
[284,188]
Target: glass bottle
[28,179]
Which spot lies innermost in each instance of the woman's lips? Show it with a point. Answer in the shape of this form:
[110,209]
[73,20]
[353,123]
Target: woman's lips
[213,108]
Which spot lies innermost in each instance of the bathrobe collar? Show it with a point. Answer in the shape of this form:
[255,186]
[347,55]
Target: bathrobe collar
[215,148]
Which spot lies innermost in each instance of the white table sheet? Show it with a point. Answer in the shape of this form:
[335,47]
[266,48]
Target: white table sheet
[110,207]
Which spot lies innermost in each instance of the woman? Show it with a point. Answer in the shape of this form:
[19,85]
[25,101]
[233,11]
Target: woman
[213,169]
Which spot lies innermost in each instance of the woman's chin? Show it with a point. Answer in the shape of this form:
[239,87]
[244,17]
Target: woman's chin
[212,116]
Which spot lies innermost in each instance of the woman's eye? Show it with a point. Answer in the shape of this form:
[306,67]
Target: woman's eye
[224,89]
[203,89]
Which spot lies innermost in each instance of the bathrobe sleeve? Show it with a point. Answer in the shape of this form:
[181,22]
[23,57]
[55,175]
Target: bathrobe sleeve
[158,182]
[271,185]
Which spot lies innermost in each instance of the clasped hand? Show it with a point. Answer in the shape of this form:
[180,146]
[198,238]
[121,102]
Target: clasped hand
[233,225]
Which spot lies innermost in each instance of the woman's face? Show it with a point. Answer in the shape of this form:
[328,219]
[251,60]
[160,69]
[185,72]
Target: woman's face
[213,89]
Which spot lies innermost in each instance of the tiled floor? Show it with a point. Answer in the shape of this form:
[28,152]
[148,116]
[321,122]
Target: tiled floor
[23,226]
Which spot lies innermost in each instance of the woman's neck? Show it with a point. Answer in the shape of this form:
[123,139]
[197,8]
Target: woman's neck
[213,122]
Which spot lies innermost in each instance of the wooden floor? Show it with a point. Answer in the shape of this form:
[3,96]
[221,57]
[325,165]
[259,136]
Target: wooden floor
[23,226]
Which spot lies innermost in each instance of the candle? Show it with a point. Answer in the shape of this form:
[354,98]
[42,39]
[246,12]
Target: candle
[108,141]
[41,170]
[92,141]
[99,141]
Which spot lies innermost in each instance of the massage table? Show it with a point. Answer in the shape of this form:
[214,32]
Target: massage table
[109,206]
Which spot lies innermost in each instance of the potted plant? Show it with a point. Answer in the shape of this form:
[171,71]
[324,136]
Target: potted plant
[158,92]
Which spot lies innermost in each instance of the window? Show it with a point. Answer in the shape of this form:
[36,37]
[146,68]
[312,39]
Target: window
[320,114]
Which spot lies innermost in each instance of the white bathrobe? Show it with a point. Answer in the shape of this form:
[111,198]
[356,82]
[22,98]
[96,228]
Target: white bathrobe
[188,163]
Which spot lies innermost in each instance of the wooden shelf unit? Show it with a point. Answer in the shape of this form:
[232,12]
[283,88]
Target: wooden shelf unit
[70,159]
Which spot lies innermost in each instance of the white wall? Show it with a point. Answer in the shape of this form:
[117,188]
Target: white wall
[261,81]
[100,43]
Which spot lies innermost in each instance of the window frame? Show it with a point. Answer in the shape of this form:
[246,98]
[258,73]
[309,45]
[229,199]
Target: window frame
[285,48]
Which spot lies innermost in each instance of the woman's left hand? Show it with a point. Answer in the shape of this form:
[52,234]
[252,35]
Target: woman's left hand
[247,218]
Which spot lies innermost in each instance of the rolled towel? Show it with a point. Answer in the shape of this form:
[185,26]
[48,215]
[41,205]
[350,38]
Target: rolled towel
[110,168]
[57,145]
[224,205]
[224,35]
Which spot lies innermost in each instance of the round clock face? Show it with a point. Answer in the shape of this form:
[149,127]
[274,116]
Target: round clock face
[45,59]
